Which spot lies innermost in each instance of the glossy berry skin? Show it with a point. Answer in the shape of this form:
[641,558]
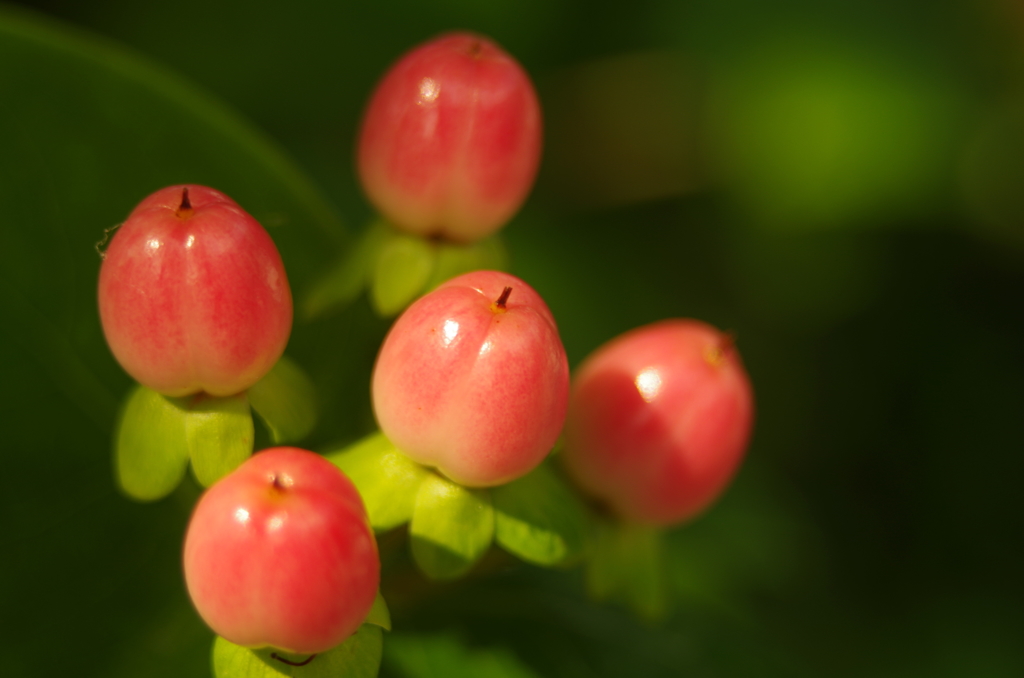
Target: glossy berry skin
[451,139]
[194,297]
[659,419]
[474,389]
[280,553]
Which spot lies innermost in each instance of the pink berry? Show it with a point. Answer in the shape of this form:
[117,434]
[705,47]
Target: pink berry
[659,419]
[473,379]
[280,553]
[451,139]
[193,295]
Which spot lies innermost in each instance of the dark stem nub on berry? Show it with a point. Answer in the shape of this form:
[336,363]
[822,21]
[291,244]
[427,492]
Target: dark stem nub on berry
[184,210]
[291,663]
[716,355]
[500,303]
[475,48]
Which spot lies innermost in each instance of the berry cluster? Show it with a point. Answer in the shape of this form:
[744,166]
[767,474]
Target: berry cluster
[471,388]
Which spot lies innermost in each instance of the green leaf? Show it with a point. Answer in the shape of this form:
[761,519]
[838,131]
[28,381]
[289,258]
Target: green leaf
[627,565]
[285,399]
[401,272]
[357,657]
[379,614]
[387,479]
[349,275]
[445,656]
[453,259]
[150,447]
[538,518]
[220,435]
[88,129]
[452,526]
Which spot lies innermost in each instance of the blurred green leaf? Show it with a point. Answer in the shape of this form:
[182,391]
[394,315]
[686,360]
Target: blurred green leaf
[387,479]
[401,272]
[285,399]
[357,657]
[815,133]
[220,435]
[627,565]
[348,277]
[379,614]
[88,129]
[151,448]
[538,518]
[444,656]
[452,526]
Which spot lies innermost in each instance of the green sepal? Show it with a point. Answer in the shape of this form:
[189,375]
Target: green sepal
[403,268]
[387,480]
[539,519]
[627,565]
[157,436]
[285,399]
[347,278]
[357,657]
[220,435]
[454,259]
[379,614]
[451,527]
[150,447]
[397,268]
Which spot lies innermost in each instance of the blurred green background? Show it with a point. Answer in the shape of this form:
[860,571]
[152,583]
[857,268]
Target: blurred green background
[841,184]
